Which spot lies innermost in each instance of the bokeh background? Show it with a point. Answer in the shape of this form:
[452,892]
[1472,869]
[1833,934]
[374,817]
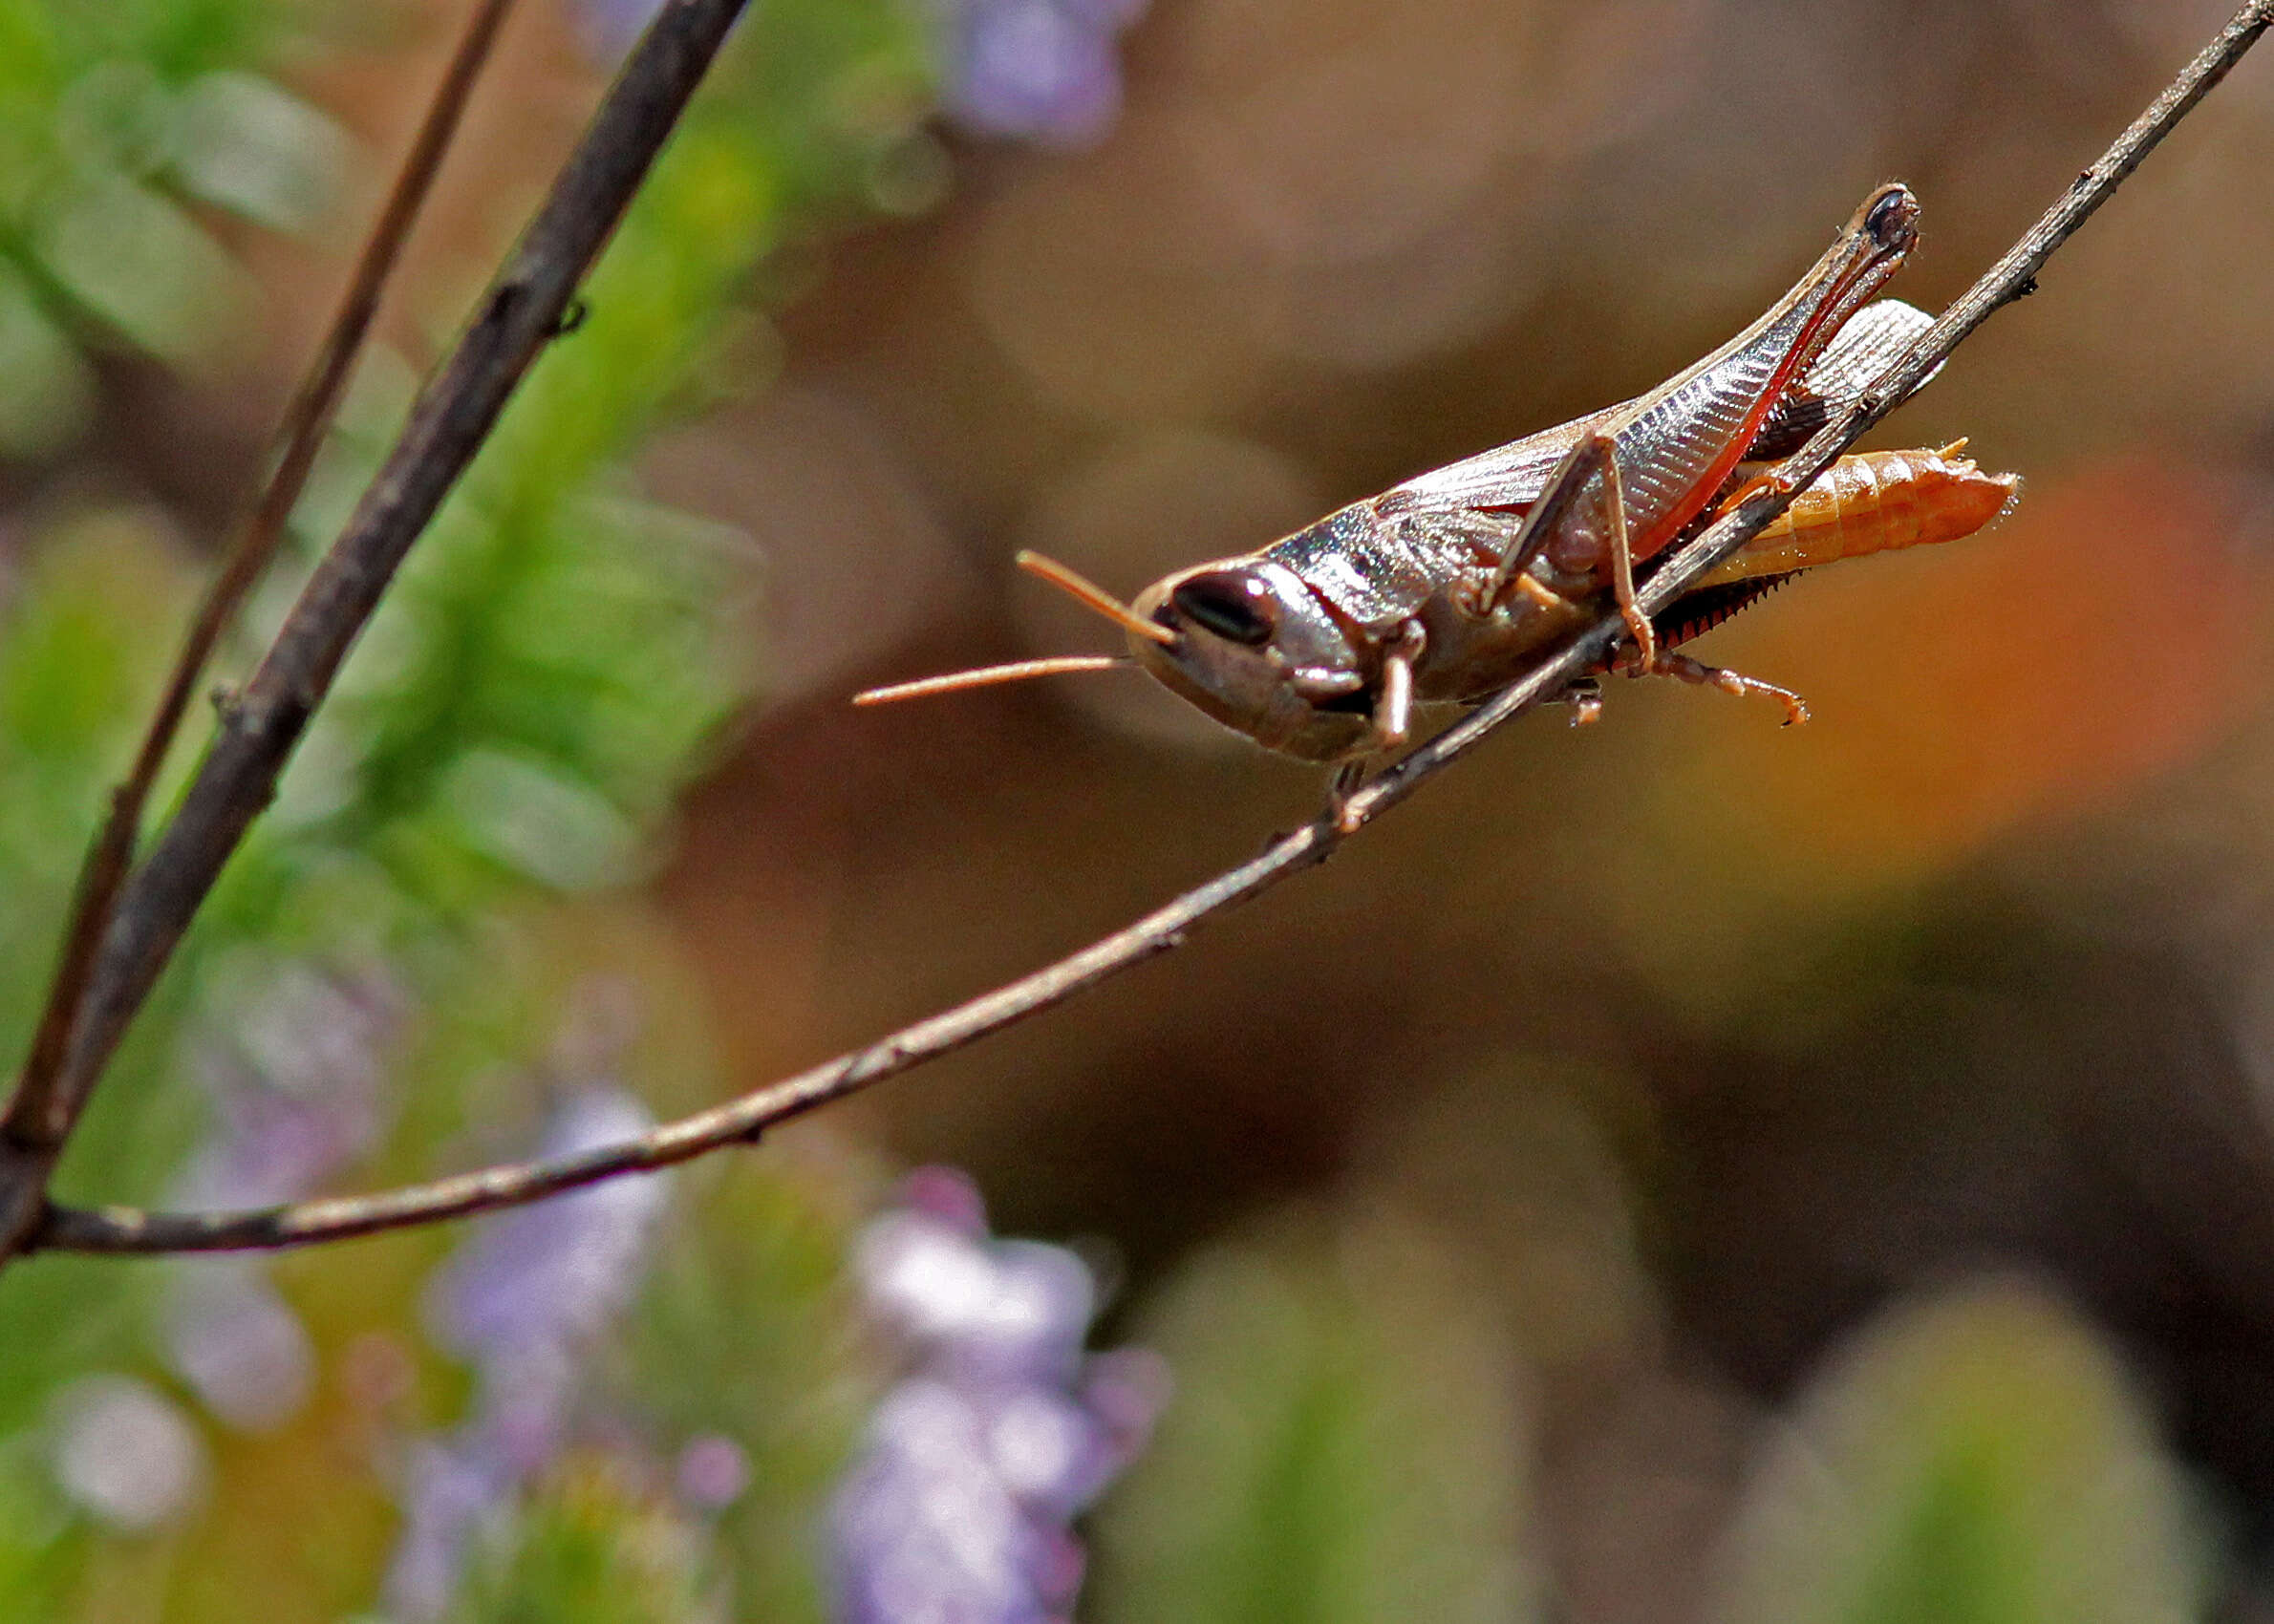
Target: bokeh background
[1684,1170]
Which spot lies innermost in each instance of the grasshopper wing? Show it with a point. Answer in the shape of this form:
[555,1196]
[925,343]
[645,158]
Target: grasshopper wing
[1510,478]
[1850,364]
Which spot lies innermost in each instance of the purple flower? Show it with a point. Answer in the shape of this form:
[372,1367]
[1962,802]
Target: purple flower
[450,1491]
[297,1072]
[999,1307]
[1044,71]
[126,1455]
[712,1472]
[297,1067]
[1002,1432]
[540,1278]
[233,1338]
[522,1299]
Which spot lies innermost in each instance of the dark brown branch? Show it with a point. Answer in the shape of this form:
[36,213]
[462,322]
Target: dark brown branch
[740,1120]
[30,1112]
[38,1117]
[449,421]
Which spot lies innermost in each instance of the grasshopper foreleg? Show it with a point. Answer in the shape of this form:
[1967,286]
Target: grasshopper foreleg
[1393,721]
[1682,669]
[1393,712]
[1349,777]
[1585,697]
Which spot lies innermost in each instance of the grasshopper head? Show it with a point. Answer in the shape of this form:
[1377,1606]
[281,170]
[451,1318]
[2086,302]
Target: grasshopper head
[1243,639]
[1258,650]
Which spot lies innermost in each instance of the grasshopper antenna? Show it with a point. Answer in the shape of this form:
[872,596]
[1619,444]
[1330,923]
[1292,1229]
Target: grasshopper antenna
[955,681]
[1090,595]
[1093,596]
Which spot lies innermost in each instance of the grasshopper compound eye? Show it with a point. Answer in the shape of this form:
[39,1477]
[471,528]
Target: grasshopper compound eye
[1235,604]
[1891,217]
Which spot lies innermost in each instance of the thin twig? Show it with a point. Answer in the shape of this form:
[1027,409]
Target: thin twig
[449,423]
[742,1120]
[36,1119]
[300,436]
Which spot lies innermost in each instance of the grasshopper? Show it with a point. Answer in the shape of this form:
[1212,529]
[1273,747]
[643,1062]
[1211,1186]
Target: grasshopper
[1445,587]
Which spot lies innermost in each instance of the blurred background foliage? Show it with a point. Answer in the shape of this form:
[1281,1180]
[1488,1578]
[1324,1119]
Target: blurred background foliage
[1685,1170]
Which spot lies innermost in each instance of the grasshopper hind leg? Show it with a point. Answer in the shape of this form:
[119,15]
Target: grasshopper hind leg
[1682,669]
[1694,614]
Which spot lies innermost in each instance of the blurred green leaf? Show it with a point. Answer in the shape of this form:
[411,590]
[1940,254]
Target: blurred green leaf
[588,1549]
[77,665]
[60,1317]
[1342,1444]
[49,391]
[43,1547]
[134,260]
[248,146]
[114,119]
[750,1331]
[1974,1459]
[560,656]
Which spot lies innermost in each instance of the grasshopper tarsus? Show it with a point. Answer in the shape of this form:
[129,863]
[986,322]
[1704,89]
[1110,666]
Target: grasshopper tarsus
[1585,697]
[1348,778]
[1682,669]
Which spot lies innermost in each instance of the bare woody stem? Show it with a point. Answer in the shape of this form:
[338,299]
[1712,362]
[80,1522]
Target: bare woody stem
[38,1117]
[34,1110]
[742,1120]
[449,421]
